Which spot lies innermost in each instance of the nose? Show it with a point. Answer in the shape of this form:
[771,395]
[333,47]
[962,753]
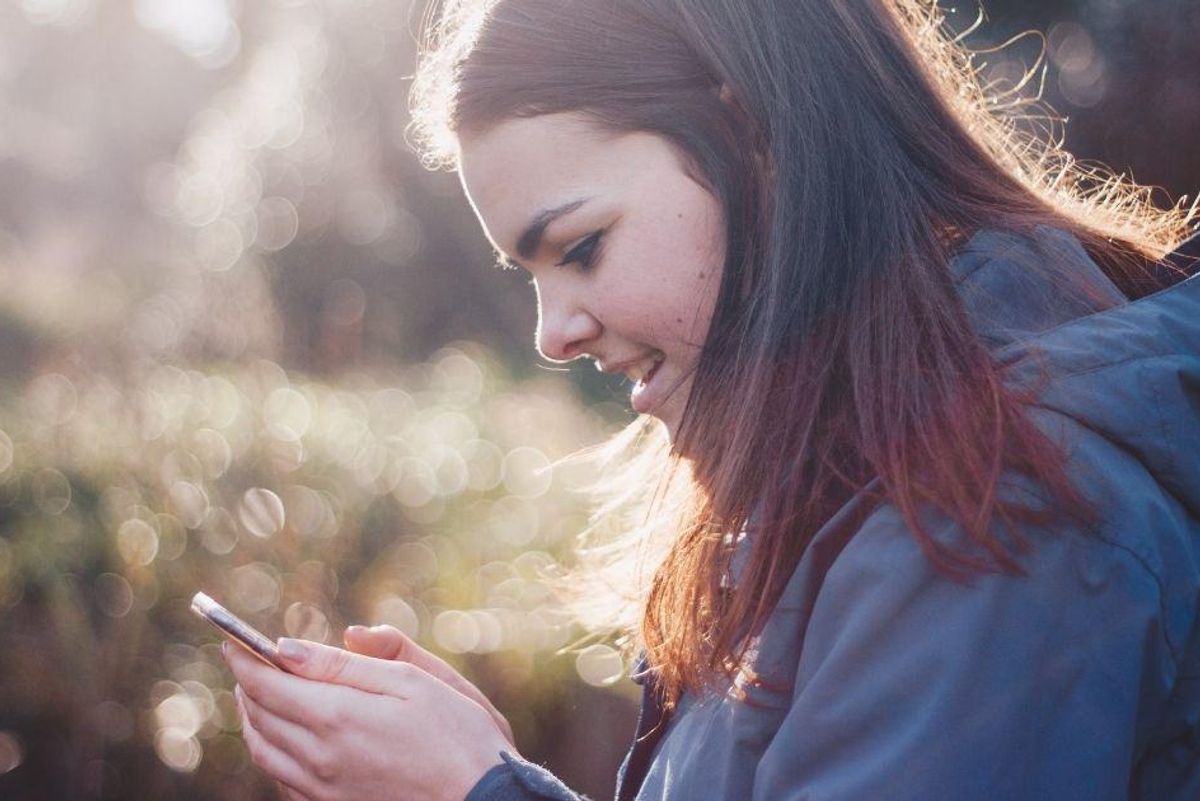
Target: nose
[565,325]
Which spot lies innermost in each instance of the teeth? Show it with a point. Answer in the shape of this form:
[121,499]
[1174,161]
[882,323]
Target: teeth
[638,373]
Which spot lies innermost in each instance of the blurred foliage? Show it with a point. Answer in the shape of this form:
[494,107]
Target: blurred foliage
[424,499]
[240,351]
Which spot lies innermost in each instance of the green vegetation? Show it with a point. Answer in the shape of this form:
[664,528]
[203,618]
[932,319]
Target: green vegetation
[423,499]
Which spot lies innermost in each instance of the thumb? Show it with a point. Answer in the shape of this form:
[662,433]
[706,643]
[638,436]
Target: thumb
[318,662]
[388,642]
[381,642]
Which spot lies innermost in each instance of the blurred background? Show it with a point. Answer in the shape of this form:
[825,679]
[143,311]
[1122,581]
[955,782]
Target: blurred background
[247,344]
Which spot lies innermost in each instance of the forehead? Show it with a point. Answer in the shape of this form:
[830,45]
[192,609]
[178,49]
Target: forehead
[518,167]
[531,152]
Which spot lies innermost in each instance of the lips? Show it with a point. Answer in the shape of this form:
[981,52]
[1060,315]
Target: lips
[644,396]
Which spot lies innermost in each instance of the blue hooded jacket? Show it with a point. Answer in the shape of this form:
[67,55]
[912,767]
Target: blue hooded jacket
[1078,681]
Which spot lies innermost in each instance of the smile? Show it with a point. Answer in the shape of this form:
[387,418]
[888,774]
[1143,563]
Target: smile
[645,395]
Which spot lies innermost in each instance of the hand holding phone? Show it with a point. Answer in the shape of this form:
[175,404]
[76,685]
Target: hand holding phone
[237,630]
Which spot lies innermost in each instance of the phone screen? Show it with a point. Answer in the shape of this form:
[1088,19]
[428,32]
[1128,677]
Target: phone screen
[237,629]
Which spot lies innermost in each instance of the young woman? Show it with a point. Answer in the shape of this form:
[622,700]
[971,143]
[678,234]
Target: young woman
[918,468]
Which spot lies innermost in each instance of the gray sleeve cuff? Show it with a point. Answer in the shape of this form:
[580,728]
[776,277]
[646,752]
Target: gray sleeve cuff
[518,780]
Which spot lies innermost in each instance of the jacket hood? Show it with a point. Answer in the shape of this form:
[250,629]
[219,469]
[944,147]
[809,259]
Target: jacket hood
[1127,370]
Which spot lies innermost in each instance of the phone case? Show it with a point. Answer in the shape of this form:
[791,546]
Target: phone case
[237,629]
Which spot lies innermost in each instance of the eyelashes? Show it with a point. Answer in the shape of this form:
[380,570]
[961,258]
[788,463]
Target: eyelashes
[585,253]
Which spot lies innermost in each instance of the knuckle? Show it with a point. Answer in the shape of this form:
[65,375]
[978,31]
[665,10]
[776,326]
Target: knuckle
[340,717]
[403,652]
[333,719]
[405,678]
[324,767]
[337,662]
[250,684]
[405,647]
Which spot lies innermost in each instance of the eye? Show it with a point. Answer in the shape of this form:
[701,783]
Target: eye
[583,254]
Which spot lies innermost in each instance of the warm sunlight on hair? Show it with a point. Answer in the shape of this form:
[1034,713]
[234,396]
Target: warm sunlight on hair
[1011,124]
[1026,137]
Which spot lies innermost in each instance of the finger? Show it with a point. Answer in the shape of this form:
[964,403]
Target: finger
[292,794]
[289,696]
[377,641]
[388,642]
[384,642]
[291,738]
[324,663]
[278,764]
[305,749]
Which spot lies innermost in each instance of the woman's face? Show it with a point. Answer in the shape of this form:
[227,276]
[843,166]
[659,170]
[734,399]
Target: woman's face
[625,249]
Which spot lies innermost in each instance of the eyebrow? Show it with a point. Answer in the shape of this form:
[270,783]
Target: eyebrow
[530,240]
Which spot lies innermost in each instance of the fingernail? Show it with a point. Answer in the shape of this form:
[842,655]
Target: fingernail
[356,629]
[293,650]
[224,650]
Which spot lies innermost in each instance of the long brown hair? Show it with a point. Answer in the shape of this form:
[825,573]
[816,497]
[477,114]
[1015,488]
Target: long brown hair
[853,150]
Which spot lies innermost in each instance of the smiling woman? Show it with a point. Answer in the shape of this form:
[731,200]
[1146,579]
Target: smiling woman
[628,274]
[916,470]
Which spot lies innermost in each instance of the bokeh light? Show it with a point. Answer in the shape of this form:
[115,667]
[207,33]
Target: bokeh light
[599,665]
[397,612]
[219,533]
[261,512]
[250,347]
[137,542]
[256,587]
[1082,71]
[526,472]
[114,595]
[456,631]
[177,749]
[204,29]
[306,622]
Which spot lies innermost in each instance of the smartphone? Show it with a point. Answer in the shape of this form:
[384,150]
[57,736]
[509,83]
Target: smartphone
[237,630]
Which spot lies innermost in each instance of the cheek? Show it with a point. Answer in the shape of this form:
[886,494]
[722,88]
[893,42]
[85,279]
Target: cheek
[697,279]
[679,311]
[699,263]
[700,309]
[663,277]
